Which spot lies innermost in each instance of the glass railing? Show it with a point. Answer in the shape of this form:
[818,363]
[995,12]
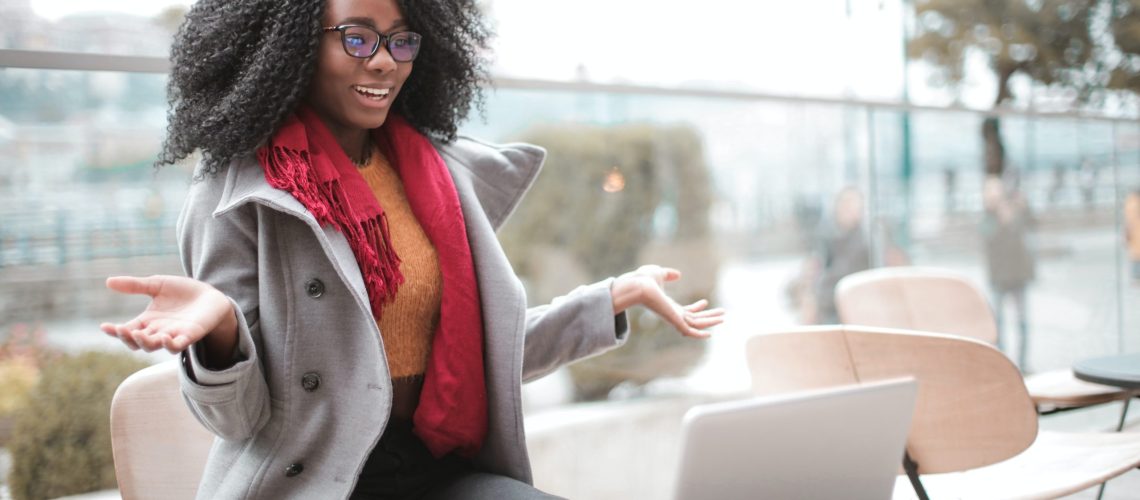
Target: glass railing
[778,165]
[78,192]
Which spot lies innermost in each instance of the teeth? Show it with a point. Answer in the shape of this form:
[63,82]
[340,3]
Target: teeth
[371,91]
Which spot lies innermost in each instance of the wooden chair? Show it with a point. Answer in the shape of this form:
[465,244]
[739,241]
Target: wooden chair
[974,432]
[935,300]
[159,448]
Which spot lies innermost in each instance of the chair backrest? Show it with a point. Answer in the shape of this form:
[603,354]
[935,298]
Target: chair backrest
[160,450]
[916,298]
[973,409]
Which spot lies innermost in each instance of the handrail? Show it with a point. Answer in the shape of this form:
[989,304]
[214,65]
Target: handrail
[55,60]
[49,59]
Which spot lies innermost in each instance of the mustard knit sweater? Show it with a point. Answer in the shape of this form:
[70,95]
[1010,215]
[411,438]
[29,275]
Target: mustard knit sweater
[408,322]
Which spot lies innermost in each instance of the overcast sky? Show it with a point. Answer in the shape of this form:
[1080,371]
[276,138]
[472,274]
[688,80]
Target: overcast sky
[55,9]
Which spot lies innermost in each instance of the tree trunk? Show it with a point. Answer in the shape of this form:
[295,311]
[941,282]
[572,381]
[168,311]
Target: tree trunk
[994,153]
[994,149]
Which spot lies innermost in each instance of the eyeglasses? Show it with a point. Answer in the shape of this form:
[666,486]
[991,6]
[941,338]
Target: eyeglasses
[363,42]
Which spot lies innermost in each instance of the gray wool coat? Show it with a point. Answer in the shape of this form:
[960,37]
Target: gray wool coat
[310,396]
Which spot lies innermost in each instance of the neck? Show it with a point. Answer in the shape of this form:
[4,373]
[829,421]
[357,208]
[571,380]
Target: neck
[356,144]
[352,141]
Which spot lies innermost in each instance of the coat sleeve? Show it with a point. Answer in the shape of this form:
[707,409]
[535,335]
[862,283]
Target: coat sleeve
[577,325]
[233,402]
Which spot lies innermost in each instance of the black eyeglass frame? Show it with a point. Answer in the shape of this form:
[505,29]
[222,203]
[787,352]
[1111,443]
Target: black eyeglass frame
[382,40]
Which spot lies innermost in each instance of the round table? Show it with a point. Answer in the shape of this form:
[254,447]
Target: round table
[1119,371]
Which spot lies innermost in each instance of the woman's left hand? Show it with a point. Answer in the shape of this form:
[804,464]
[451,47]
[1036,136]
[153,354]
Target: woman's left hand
[646,286]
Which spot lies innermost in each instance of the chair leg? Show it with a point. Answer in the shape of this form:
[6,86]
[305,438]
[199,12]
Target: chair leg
[911,468]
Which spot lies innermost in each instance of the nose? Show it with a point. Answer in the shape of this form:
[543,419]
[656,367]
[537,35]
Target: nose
[382,60]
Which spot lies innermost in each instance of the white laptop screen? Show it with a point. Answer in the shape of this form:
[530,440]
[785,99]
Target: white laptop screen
[844,442]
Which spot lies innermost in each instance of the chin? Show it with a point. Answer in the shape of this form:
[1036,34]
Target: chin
[373,120]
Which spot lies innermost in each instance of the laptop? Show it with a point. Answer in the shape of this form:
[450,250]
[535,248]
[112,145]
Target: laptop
[843,442]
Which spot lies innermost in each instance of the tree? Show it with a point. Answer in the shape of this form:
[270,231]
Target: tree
[1125,26]
[1048,41]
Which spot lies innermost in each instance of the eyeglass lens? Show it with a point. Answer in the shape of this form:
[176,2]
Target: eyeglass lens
[362,42]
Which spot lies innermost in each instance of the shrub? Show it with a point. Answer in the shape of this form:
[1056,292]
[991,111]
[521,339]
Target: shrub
[61,443]
[22,352]
[608,200]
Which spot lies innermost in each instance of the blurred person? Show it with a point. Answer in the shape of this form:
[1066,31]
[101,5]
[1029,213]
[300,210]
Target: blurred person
[1087,179]
[349,326]
[843,250]
[1010,265]
[950,186]
[1058,184]
[1132,232]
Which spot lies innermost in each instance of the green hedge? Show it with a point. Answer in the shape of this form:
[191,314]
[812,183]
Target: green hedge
[61,443]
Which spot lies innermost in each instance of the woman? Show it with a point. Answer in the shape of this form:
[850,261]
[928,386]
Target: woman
[349,326]
[1006,224]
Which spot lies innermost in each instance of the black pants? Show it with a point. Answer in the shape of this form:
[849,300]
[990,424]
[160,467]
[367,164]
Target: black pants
[401,467]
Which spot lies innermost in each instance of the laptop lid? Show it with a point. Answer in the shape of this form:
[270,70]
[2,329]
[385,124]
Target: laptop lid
[843,442]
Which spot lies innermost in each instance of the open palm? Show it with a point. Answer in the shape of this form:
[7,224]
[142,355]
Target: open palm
[693,320]
[182,311]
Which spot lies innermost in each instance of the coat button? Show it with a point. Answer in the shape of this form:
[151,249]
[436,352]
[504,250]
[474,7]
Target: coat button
[293,470]
[311,381]
[315,288]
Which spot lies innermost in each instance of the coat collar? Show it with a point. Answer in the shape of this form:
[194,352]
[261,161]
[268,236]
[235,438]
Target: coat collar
[500,175]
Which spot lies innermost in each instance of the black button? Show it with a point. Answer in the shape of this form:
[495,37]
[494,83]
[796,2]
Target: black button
[315,288]
[293,470]
[310,381]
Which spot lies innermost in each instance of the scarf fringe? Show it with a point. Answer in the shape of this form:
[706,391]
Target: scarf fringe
[288,170]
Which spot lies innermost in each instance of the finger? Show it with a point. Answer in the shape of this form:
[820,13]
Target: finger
[672,274]
[172,343]
[154,338]
[685,325]
[138,339]
[165,340]
[109,329]
[129,327]
[710,313]
[704,323]
[697,306]
[134,285]
[697,334]
[147,338]
[129,342]
[180,343]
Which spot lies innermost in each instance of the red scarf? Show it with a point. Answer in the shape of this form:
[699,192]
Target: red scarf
[305,159]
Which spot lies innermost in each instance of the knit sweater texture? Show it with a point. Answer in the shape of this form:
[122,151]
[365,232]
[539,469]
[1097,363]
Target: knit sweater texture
[408,323]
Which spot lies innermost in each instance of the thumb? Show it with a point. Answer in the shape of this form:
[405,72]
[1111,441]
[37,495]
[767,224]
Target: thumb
[133,285]
[672,274]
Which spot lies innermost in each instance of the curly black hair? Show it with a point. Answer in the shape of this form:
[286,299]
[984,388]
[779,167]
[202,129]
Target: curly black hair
[239,68]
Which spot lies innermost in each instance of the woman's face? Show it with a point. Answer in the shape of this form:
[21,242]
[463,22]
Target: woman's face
[352,94]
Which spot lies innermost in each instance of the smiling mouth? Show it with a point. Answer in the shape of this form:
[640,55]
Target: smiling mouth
[371,93]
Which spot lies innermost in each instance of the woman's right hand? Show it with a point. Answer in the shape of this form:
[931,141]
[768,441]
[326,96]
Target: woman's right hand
[182,311]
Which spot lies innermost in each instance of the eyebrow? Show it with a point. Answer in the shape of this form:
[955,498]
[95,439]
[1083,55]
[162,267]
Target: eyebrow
[367,21]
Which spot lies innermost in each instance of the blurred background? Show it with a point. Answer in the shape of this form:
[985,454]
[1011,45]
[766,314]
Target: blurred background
[766,149]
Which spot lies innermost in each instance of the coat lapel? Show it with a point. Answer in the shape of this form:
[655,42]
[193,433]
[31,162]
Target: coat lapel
[245,183]
[491,181]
